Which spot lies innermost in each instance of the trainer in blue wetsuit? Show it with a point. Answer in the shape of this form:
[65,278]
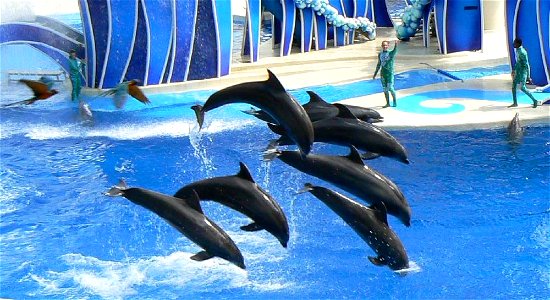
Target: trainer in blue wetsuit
[521,73]
[75,68]
[385,66]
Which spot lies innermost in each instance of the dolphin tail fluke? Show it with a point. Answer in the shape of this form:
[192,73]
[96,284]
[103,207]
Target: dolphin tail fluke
[271,151]
[307,187]
[199,114]
[118,189]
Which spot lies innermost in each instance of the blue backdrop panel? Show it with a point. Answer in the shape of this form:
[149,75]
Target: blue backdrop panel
[60,27]
[338,33]
[24,32]
[528,20]
[370,10]
[544,29]
[288,24]
[349,11]
[321,32]
[464,28]
[136,68]
[306,16]
[381,16]
[252,29]
[204,57]
[100,30]
[160,38]
[89,41]
[224,34]
[186,18]
[123,24]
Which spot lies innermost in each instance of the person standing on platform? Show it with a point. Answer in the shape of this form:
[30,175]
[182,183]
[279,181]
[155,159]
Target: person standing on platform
[521,73]
[75,65]
[385,66]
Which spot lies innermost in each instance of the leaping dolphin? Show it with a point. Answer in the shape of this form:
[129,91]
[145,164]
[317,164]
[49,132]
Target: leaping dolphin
[187,217]
[271,97]
[318,109]
[345,129]
[370,223]
[352,175]
[241,193]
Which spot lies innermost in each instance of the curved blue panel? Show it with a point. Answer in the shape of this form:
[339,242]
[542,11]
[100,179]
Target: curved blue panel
[160,38]
[348,7]
[136,67]
[306,16]
[439,9]
[289,21]
[458,36]
[252,32]
[361,7]
[321,32]
[123,26]
[544,30]
[60,27]
[21,32]
[370,10]
[100,25]
[339,34]
[510,15]
[204,58]
[223,20]
[90,43]
[186,17]
[381,16]
[528,30]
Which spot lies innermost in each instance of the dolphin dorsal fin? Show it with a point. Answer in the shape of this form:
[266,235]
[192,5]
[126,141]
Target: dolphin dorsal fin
[194,201]
[244,173]
[344,112]
[313,97]
[380,211]
[273,80]
[354,155]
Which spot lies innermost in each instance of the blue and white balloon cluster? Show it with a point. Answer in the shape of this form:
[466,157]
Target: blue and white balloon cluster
[323,8]
[411,18]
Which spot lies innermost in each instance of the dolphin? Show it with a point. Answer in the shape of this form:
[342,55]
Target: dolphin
[352,175]
[271,97]
[515,131]
[370,223]
[345,129]
[187,217]
[318,109]
[241,193]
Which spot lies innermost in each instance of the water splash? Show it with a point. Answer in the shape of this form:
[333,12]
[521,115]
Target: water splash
[197,139]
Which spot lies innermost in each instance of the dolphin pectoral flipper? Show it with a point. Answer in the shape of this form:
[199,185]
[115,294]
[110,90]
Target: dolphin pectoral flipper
[118,189]
[252,227]
[369,155]
[203,255]
[377,261]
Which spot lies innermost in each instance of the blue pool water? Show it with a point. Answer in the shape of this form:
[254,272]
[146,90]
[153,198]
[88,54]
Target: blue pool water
[480,222]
